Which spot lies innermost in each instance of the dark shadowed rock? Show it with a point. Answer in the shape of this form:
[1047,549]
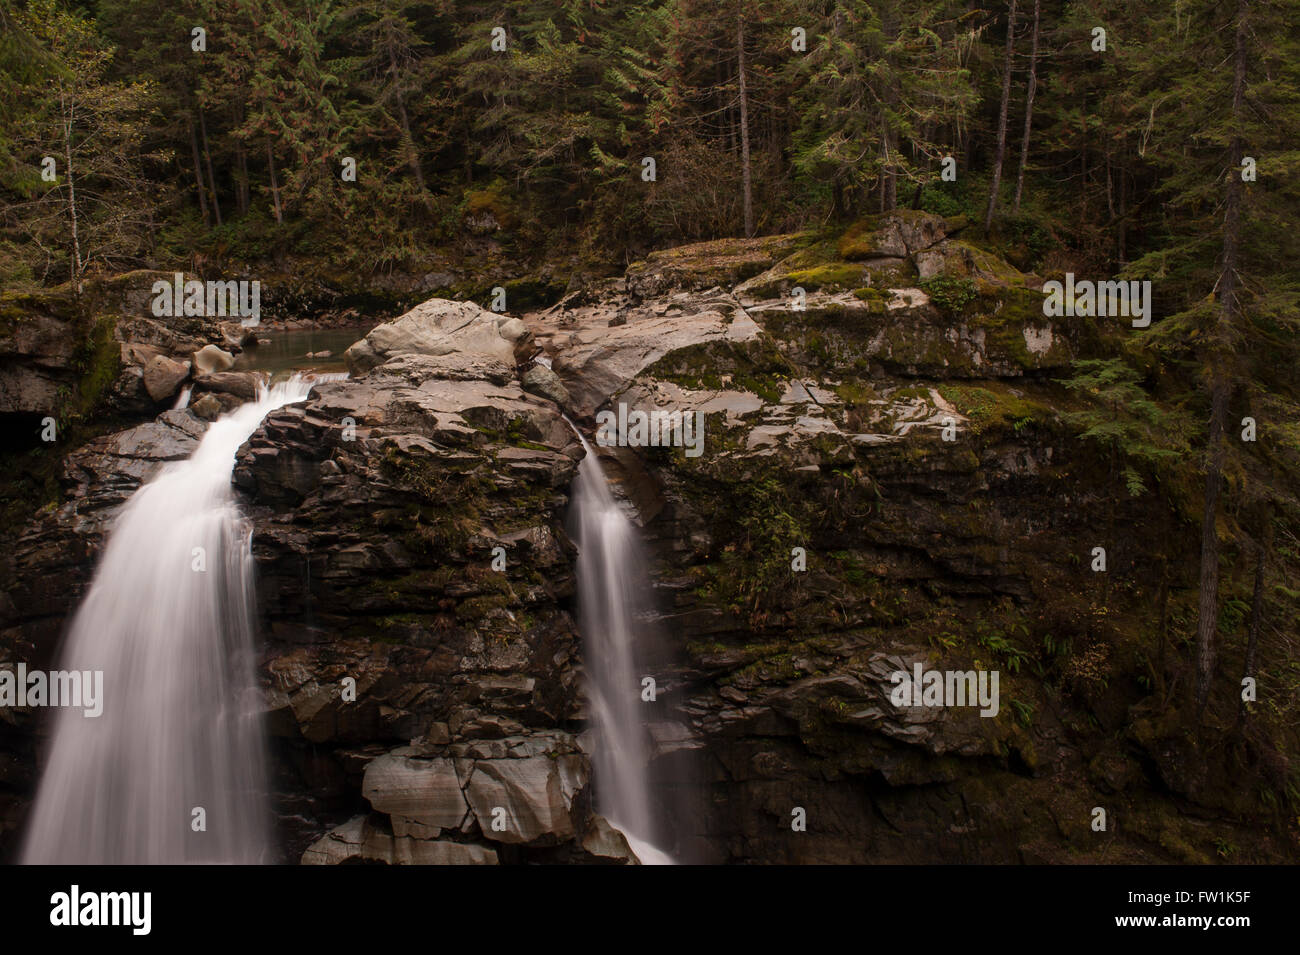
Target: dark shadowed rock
[206,407]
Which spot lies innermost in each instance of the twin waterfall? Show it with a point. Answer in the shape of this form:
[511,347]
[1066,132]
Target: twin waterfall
[173,770]
[169,621]
[612,587]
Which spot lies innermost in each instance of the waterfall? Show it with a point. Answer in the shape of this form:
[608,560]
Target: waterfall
[168,620]
[612,585]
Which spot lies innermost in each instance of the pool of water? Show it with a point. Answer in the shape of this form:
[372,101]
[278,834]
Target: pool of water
[287,351]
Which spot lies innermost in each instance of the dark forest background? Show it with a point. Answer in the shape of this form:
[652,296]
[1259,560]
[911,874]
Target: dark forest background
[1111,160]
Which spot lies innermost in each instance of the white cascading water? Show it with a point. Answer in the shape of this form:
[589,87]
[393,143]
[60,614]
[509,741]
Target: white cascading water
[180,727]
[612,584]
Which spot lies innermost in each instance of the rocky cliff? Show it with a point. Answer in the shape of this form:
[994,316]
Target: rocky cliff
[887,479]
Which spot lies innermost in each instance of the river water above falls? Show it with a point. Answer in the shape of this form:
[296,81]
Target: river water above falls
[281,352]
[168,620]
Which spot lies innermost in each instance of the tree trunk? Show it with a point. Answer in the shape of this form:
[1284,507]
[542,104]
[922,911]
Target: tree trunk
[198,176]
[1123,207]
[1001,150]
[1256,616]
[744,129]
[1083,160]
[1208,605]
[1163,603]
[1225,316]
[207,158]
[1029,112]
[888,175]
[69,111]
[243,181]
[408,141]
[275,186]
[241,184]
[1110,186]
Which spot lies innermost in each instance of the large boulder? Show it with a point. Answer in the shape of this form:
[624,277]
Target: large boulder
[541,381]
[519,790]
[424,794]
[210,358]
[241,384]
[441,327]
[532,797]
[899,233]
[163,376]
[207,407]
[235,336]
[605,842]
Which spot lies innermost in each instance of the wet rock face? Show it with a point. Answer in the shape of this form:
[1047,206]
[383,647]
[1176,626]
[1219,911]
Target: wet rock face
[38,340]
[409,538]
[886,482]
[909,455]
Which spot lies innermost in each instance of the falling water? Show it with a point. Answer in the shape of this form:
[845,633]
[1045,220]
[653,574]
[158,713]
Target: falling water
[179,729]
[612,582]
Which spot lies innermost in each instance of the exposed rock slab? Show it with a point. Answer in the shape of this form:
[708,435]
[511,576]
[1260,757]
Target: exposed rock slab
[358,841]
[440,327]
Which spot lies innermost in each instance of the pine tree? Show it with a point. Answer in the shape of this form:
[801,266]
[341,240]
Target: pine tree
[1230,241]
[884,92]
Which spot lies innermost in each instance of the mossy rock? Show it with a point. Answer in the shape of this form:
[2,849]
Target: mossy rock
[989,266]
[99,361]
[991,405]
[493,200]
[833,276]
[532,291]
[18,306]
[756,366]
[862,240]
[720,262]
[898,233]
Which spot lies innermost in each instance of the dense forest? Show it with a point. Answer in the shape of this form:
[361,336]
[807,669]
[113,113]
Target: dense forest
[221,131]
[532,144]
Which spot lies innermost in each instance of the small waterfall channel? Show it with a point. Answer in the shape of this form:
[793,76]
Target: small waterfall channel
[612,585]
